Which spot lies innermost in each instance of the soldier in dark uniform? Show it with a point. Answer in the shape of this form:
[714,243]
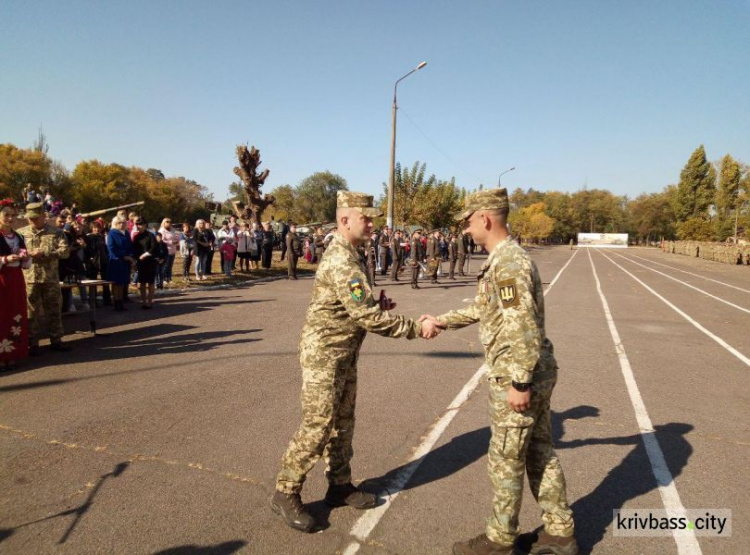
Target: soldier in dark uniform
[397,252]
[462,248]
[384,248]
[417,255]
[368,251]
[294,249]
[452,256]
[433,255]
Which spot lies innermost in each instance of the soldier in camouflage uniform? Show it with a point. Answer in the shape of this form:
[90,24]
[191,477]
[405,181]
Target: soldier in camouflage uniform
[46,245]
[341,312]
[509,307]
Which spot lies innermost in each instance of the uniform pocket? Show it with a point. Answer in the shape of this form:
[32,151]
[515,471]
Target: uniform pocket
[515,442]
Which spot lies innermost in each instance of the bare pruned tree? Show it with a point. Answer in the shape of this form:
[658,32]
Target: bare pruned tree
[253,181]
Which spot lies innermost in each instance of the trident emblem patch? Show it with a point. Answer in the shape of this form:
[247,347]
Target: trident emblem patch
[507,293]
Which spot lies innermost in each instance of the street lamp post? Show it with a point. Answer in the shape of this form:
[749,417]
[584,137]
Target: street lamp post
[391,176]
[503,173]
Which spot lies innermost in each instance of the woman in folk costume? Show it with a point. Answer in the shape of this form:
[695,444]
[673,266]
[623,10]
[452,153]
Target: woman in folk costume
[14,328]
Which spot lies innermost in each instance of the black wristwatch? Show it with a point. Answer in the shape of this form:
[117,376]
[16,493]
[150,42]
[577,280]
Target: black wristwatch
[522,387]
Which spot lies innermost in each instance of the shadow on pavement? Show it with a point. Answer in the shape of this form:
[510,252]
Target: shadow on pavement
[79,511]
[224,548]
[632,478]
[145,341]
[447,459]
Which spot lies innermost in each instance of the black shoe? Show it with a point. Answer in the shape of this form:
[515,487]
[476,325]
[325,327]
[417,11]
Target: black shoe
[8,367]
[35,351]
[290,508]
[349,494]
[60,347]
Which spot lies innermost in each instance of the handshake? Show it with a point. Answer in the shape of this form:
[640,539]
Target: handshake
[431,326]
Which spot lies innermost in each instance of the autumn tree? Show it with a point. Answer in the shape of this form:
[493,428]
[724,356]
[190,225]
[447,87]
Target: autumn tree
[20,166]
[531,223]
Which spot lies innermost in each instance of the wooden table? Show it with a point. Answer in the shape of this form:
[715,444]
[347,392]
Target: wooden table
[91,285]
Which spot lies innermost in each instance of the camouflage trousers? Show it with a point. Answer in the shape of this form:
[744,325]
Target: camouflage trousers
[328,400]
[522,443]
[44,298]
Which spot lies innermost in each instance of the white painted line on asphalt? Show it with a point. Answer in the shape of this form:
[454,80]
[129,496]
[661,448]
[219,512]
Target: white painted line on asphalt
[716,338]
[551,283]
[686,542]
[693,274]
[685,284]
[368,521]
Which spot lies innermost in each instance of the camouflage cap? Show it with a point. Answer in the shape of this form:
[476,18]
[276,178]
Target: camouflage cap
[360,201]
[34,210]
[489,199]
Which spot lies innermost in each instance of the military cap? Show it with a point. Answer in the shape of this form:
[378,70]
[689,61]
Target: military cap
[488,199]
[34,210]
[359,201]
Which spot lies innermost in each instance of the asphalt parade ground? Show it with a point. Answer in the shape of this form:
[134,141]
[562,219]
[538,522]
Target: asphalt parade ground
[164,435]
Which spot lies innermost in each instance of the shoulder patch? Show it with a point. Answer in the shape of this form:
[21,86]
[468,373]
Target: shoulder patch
[508,293]
[357,289]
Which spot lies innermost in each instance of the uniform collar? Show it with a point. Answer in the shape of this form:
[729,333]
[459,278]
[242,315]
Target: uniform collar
[495,252]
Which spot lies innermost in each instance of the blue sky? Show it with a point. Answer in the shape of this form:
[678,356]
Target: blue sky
[612,95]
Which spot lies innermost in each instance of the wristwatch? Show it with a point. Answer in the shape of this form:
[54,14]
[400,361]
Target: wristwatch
[522,387]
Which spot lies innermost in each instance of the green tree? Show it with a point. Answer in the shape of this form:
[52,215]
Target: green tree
[727,196]
[437,204]
[696,189]
[695,229]
[286,206]
[316,196]
[651,217]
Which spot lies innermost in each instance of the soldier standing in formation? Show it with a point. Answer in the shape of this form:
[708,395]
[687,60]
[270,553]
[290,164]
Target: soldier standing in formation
[384,248]
[417,255]
[341,312]
[46,246]
[294,249]
[462,244]
[452,256]
[433,255]
[509,307]
[368,251]
[397,254]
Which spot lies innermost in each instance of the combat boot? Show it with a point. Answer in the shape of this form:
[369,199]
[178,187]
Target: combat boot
[534,543]
[482,545]
[289,506]
[349,494]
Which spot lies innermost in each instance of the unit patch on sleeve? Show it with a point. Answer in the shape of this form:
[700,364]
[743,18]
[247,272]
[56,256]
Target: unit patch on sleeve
[357,289]
[508,293]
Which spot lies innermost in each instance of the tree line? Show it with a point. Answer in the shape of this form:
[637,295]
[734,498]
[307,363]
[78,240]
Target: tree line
[93,185]
[706,203]
[703,206]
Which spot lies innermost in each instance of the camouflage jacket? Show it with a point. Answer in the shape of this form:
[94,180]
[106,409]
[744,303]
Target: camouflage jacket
[509,307]
[51,241]
[343,310]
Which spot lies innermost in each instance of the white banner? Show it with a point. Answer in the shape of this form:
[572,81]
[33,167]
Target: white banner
[603,240]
